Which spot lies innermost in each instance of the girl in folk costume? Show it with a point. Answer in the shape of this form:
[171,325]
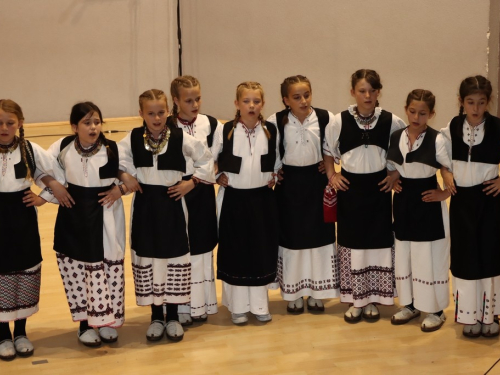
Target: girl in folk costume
[155,153]
[23,163]
[247,155]
[89,235]
[421,224]
[307,259]
[359,139]
[474,148]
[200,203]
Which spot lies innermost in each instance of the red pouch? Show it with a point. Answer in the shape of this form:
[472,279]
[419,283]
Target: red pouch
[330,205]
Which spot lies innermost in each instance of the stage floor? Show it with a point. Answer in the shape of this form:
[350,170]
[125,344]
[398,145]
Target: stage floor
[291,345]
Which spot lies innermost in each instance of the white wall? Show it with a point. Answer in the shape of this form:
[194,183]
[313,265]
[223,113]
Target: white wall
[54,53]
[412,44]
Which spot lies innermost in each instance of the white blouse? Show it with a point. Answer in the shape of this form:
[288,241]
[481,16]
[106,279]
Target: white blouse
[200,129]
[203,163]
[419,170]
[8,181]
[469,173]
[249,145]
[302,141]
[361,159]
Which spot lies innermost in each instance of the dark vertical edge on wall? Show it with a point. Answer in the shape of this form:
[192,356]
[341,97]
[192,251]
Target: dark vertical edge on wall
[179,35]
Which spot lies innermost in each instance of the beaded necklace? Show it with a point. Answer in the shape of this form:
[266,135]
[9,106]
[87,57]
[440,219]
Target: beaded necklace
[249,132]
[11,147]
[364,120]
[156,145]
[473,129]
[87,152]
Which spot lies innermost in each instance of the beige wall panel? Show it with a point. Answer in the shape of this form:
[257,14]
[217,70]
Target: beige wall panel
[57,52]
[412,44]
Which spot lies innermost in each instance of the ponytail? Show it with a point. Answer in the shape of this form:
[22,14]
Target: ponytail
[24,153]
[235,122]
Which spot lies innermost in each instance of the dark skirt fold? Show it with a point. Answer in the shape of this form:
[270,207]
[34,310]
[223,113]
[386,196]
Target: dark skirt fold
[248,237]
[300,205]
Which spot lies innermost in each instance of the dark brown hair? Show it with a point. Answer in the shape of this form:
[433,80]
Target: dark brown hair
[421,95]
[285,86]
[371,77]
[474,85]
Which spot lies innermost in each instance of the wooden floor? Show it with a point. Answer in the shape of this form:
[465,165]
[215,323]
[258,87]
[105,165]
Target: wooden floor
[292,345]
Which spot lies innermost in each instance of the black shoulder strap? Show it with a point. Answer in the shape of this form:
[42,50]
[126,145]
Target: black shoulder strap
[20,169]
[213,126]
[323,120]
[394,153]
[66,141]
[110,169]
[281,128]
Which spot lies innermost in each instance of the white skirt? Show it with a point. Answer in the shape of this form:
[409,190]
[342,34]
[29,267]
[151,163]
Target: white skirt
[19,293]
[159,281]
[242,299]
[308,272]
[476,300]
[422,274]
[95,291]
[203,295]
[367,276]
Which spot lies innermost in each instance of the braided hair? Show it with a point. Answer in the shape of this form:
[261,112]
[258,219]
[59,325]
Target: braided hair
[285,86]
[421,95]
[11,106]
[371,76]
[474,85]
[182,81]
[249,85]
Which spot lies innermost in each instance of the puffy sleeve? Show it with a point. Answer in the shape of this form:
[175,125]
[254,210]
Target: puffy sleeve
[216,148]
[397,123]
[126,158]
[203,160]
[56,171]
[332,134]
[443,149]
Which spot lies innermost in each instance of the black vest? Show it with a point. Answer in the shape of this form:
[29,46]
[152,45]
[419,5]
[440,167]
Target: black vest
[351,136]
[213,126]
[323,120]
[108,170]
[488,151]
[228,162]
[425,154]
[173,158]
[20,168]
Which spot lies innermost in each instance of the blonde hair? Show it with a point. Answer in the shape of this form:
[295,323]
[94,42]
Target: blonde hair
[11,106]
[248,85]
[153,94]
[186,82]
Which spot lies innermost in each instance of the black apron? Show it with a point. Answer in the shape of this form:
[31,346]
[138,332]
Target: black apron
[20,249]
[475,233]
[158,224]
[364,213]
[248,237]
[78,232]
[202,218]
[414,219]
[300,205]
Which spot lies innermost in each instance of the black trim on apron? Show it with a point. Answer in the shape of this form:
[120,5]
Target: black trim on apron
[475,233]
[202,218]
[20,248]
[300,205]
[414,219]
[158,227]
[78,233]
[248,237]
[364,213]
